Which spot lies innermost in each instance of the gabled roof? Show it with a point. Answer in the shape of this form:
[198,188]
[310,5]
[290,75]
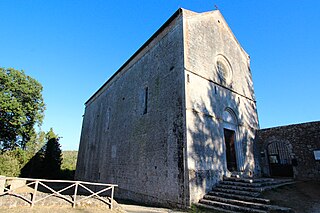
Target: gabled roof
[178,13]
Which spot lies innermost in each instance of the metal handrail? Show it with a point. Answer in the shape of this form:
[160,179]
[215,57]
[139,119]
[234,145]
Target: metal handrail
[74,184]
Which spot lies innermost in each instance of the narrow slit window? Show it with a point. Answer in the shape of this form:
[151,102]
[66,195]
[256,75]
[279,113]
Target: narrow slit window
[108,119]
[145,101]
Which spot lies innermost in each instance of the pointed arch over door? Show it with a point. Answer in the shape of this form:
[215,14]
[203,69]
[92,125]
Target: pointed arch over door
[229,132]
[229,117]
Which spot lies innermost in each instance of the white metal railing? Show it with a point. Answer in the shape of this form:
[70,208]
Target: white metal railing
[73,187]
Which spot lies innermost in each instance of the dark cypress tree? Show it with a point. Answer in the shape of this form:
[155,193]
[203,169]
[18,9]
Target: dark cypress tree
[52,157]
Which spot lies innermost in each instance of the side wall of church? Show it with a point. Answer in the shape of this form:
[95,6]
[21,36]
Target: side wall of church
[301,140]
[133,130]
[207,39]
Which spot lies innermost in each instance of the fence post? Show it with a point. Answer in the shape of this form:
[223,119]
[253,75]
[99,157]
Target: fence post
[2,183]
[75,194]
[34,193]
[112,188]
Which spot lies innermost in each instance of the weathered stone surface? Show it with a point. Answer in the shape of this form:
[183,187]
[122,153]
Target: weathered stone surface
[121,144]
[156,127]
[207,40]
[301,140]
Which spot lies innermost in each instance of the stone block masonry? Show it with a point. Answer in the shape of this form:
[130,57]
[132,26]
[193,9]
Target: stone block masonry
[157,127]
[301,140]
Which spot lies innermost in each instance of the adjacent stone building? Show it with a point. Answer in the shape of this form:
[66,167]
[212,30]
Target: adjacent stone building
[176,117]
[290,151]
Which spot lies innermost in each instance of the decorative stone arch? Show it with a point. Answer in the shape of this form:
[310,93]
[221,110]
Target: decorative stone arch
[230,117]
[279,155]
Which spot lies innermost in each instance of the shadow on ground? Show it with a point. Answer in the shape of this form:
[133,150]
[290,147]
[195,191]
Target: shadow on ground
[303,196]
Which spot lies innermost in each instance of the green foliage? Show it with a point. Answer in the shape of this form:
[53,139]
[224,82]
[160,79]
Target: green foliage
[69,160]
[22,151]
[68,166]
[52,158]
[39,159]
[46,162]
[21,108]
[9,164]
[49,135]
[13,161]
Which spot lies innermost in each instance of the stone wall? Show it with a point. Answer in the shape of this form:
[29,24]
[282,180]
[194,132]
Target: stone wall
[301,140]
[169,150]
[207,40]
[132,133]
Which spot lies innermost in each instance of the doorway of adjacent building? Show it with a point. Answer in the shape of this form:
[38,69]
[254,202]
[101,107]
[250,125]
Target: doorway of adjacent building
[229,138]
[279,157]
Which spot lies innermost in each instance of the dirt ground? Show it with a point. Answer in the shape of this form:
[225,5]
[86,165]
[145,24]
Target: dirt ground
[125,208]
[302,197]
[118,208]
[56,209]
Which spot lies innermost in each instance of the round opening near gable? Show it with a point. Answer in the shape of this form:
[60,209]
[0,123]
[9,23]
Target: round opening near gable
[224,70]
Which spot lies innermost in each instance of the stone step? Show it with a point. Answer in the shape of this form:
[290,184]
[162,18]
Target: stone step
[253,185]
[240,188]
[236,183]
[240,197]
[204,206]
[248,180]
[253,205]
[230,207]
[236,192]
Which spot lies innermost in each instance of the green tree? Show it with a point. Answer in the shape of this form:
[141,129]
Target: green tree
[32,165]
[51,134]
[52,156]
[9,164]
[21,108]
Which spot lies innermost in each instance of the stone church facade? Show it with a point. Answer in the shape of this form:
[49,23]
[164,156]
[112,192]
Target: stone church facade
[176,117]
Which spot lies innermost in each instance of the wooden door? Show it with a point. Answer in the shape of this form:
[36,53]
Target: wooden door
[229,138]
[279,160]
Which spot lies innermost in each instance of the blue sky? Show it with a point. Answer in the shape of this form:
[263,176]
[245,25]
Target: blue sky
[73,46]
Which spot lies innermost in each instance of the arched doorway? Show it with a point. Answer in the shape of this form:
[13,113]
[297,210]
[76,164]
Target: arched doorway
[229,133]
[280,163]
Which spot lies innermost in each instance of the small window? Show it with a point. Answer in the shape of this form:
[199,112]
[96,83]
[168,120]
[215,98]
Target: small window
[222,71]
[108,119]
[145,101]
